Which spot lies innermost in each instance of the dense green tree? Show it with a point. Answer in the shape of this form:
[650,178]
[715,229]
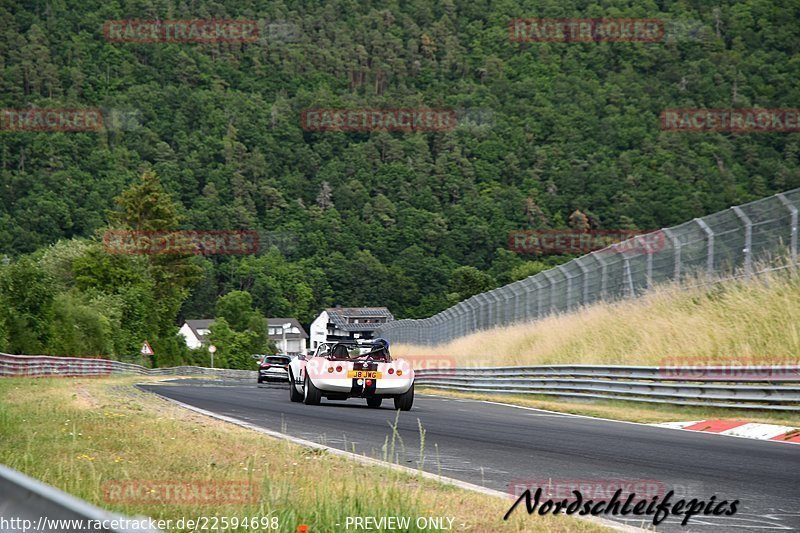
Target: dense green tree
[26,295]
[550,135]
[467,281]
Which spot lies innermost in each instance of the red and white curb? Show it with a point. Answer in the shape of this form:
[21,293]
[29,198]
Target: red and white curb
[739,428]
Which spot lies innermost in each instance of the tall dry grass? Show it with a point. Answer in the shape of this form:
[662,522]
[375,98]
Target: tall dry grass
[754,322]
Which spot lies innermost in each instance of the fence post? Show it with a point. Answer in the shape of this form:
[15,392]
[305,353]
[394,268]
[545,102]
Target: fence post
[483,312]
[748,241]
[546,275]
[628,276]
[710,245]
[639,240]
[439,328]
[515,315]
[585,273]
[561,269]
[603,275]
[793,210]
[539,294]
[473,308]
[498,306]
[676,245]
[528,294]
[462,320]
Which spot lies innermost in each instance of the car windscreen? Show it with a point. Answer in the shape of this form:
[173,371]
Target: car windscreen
[342,351]
[276,360]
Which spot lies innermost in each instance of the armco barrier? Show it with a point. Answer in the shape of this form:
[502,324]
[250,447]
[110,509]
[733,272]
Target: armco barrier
[776,388]
[27,504]
[48,366]
[766,387]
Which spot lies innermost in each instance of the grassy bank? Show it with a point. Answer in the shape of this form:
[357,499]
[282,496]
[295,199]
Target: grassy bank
[80,434]
[754,323]
[730,323]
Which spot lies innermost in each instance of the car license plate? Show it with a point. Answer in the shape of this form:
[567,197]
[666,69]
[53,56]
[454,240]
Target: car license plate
[365,374]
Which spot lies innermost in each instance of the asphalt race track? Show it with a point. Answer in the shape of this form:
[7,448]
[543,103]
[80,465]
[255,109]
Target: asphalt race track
[492,445]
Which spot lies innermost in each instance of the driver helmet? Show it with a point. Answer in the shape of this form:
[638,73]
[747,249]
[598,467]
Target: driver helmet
[383,343]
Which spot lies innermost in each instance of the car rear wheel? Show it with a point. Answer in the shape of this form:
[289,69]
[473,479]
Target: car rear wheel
[311,394]
[293,394]
[374,402]
[405,400]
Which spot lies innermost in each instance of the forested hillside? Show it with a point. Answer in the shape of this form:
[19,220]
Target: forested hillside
[414,221]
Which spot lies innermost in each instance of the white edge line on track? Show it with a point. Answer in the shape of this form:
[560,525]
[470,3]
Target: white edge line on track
[609,419]
[375,462]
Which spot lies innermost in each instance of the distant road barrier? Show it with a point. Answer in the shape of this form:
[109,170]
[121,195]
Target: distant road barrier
[49,366]
[747,387]
[773,388]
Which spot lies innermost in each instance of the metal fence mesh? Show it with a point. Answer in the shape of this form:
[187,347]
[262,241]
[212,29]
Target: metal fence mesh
[745,239]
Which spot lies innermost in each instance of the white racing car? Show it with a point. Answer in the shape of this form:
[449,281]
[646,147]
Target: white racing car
[350,369]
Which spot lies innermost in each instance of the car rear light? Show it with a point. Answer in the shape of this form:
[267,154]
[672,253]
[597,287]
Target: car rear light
[338,368]
[265,366]
[399,373]
[391,370]
[369,382]
[330,370]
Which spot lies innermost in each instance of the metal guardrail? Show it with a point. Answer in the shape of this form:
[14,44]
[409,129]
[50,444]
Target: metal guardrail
[30,505]
[47,366]
[753,387]
[747,387]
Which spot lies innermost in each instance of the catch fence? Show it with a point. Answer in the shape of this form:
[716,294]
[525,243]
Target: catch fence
[741,241]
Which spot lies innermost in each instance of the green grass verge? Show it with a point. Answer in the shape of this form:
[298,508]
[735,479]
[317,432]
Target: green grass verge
[81,434]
